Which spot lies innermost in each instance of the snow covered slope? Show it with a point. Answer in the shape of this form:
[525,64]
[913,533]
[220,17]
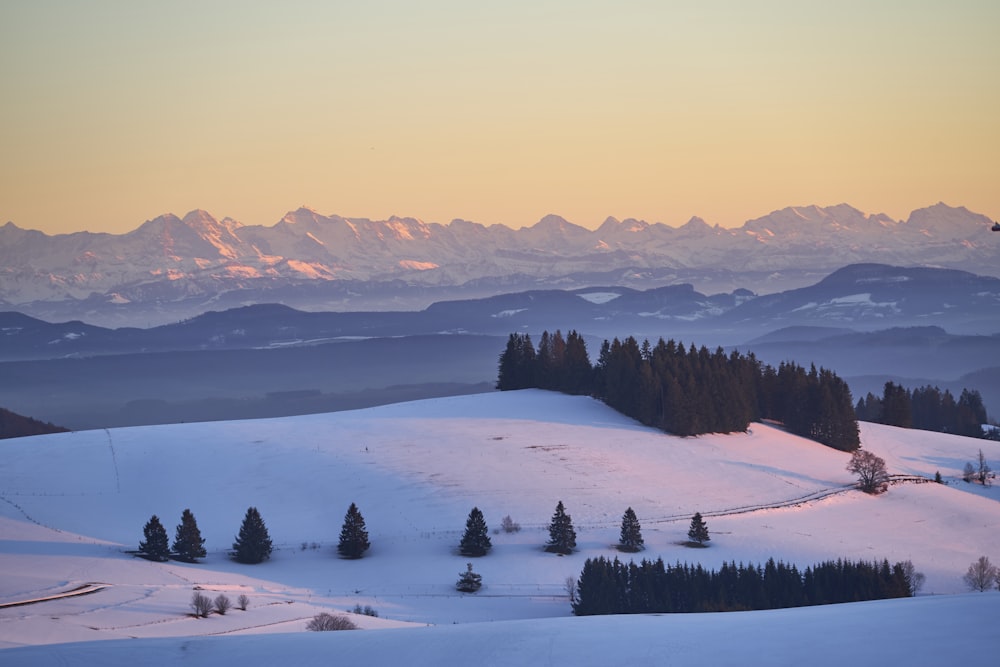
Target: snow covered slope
[73,503]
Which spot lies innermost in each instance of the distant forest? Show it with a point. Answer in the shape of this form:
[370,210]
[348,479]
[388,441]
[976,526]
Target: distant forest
[13,425]
[926,408]
[686,390]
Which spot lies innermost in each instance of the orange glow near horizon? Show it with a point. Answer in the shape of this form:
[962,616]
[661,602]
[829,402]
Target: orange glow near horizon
[115,113]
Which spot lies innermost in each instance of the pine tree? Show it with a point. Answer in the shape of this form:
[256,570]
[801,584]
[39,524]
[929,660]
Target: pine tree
[253,544]
[698,532]
[469,581]
[188,542]
[562,537]
[631,535]
[155,544]
[476,541]
[353,536]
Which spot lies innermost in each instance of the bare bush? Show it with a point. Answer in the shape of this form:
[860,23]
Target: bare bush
[324,622]
[508,525]
[222,604]
[201,604]
[242,602]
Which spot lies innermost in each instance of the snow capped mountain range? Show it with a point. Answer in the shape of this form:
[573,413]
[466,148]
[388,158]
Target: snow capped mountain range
[184,264]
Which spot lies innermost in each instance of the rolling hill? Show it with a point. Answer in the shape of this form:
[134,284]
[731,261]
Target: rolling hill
[73,504]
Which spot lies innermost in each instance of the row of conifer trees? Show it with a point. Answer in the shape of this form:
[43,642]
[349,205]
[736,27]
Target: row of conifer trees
[252,544]
[686,390]
[612,587]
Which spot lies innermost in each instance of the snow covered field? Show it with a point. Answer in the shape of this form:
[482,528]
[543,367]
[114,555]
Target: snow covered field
[71,504]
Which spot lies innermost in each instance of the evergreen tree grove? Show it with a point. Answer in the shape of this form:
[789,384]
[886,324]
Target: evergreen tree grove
[688,391]
[155,544]
[353,536]
[188,543]
[613,587]
[562,537]
[476,540]
[253,544]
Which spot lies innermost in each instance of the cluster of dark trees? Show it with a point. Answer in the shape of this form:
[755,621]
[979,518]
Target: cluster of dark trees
[252,544]
[612,587]
[925,408]
[686,390]
[13,425]
[188,544]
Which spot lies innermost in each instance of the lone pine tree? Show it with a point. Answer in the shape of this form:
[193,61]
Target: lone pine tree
[155,544]
[188,543]
[253,544]
[698,532]
[562,537]
[476,540]
[631,534]
[353,536]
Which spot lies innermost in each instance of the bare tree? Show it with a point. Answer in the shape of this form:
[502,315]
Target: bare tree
[914,579]
[324,622]
[968,472]
[571,588]
[242,602]
[201,604]
[981,576]
[983,471]
[222,604]
[870,469]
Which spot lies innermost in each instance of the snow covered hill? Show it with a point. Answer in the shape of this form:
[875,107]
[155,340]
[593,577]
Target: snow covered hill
[73,503]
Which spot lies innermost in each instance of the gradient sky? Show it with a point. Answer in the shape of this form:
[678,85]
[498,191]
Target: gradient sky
[114,112]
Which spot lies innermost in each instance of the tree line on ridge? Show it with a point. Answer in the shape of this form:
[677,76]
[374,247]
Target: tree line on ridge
[686,390]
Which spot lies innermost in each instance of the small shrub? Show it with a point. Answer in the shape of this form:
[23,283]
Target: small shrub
[367,611]
[242,602]
[201,604]
[324,622]
[222,604]
[469,581]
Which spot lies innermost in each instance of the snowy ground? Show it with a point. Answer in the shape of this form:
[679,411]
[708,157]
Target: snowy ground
[72,504]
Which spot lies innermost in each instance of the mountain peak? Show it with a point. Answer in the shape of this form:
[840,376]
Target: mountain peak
[553,220]
[199,218]
[695,224]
